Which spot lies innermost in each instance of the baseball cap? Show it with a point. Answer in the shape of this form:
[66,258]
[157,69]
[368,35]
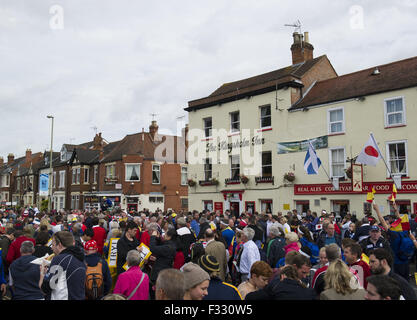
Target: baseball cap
[375,228]
[90,245]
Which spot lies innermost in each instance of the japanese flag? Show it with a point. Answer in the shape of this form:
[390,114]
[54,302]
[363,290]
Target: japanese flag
[370,154]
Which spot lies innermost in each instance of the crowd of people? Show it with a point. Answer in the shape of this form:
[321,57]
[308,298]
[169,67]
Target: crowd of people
[116,255]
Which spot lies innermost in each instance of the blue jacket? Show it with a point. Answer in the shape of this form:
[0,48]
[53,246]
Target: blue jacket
[24,277]
[218,290]
[195,226]
[2,280]
[228,235]
[65,279]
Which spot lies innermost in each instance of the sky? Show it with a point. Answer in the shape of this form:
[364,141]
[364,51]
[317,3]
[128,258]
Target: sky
[107,66]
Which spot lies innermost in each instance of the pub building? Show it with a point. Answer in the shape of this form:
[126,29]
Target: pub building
[286,109]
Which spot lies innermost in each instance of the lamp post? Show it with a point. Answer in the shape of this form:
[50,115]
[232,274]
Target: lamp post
[50,167]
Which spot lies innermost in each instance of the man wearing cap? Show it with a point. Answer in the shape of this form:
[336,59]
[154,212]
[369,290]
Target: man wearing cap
[92,259]
[374,240]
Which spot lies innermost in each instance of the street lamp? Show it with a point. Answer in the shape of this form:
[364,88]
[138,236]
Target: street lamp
[50,167]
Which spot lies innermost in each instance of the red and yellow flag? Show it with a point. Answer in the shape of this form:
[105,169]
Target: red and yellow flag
[401,224]
[370,196]
[393,195]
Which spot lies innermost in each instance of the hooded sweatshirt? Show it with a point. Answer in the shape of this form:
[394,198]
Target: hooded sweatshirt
[65,279]
[24,276]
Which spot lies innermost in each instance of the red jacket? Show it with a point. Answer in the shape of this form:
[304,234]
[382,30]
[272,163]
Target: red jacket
[14,249]
[145,238]
[100,237]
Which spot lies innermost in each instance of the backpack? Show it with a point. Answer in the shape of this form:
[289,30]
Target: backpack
[315,251]
[405,247]
[94,284]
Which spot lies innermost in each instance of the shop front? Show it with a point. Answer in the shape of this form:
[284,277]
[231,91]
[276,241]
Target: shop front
[132,203]
[233,201]
[91,202]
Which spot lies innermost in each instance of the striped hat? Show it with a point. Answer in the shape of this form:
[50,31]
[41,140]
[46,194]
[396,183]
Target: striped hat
[209,263]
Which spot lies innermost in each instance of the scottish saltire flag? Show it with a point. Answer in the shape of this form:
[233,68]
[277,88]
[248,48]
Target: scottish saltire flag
[311,161]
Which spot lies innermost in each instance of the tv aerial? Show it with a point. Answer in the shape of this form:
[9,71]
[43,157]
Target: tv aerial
[296,25]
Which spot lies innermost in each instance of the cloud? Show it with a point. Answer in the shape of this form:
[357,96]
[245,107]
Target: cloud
[114,63]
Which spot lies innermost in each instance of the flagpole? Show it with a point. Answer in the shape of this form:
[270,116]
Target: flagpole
[386,165]
[322,166]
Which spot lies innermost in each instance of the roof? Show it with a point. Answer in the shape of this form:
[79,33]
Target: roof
[393,76]
[135,144]
[71,147]
[85,156]
[289,75]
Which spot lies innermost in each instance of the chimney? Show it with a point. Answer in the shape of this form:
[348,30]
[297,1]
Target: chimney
[185,134]
[10,158]
[98,142]
[153,129]
[301,49]
[28,155]
[1,161]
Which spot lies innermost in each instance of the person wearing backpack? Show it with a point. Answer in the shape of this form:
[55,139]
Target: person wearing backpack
[98,279]
[275,246]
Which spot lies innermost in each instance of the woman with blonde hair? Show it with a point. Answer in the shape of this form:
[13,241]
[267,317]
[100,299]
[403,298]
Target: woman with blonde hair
[341,284]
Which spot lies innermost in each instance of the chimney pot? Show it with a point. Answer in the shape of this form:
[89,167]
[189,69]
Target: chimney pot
[153,129]
[10,158]
[301,50]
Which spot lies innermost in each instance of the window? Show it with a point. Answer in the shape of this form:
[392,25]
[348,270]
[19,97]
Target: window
[156,174]
[394,112]
[132,172]
[184,203]
[18,184]
[336,120]
[397,157]
[234,121]
[86,174]
[95,178]
[54,179]
[208,125]
[337,162]
[265,116]
[61,179]
[184,176]
[75,201]
[110,171]
[234,167]
[208,173]
[61,203]
[156,199]
[76,175]
[267,164]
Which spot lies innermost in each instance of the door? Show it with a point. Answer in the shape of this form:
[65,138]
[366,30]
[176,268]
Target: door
[340,207]
[302,206]
[234,209]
